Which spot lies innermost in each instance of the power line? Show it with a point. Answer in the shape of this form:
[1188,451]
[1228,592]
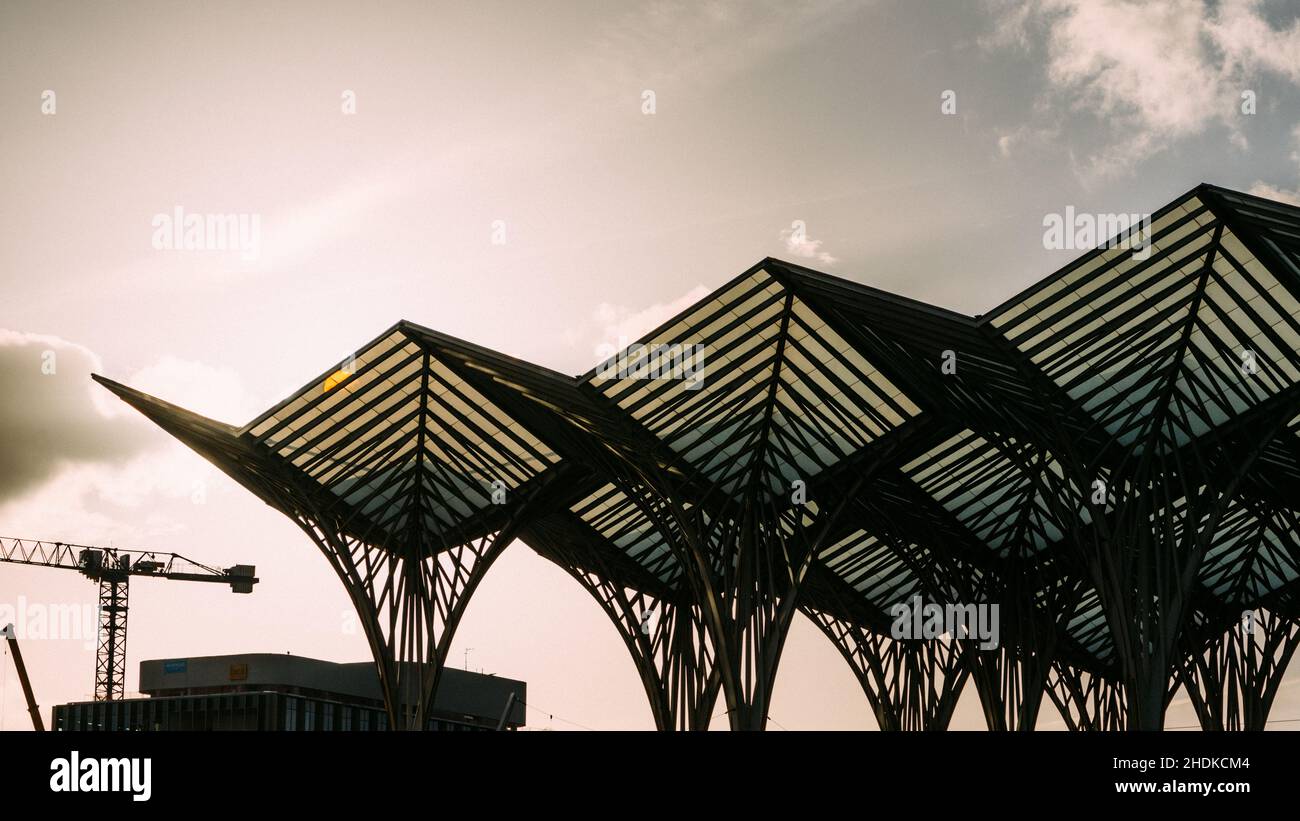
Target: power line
[1270,721]
[553,716]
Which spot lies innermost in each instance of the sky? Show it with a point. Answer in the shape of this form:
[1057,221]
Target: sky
[542,179]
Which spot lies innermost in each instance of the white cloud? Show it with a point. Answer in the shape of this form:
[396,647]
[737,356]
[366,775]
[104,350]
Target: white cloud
[53,415]
[618,322]
[175,471]
[217,393]
[1010,141]
[1154,72]
[613,327]
[1272,192]
[798,243]
[76,458]
[1249,44]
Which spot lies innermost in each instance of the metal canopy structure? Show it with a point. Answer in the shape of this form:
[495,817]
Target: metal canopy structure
[1110,458]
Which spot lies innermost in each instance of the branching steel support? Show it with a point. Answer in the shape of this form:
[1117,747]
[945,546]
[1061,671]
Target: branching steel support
[670,647]
[910,685]
[409,601]
[1233,682]
[1086,701]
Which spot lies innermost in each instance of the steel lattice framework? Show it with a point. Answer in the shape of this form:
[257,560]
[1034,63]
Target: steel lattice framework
[1111,457]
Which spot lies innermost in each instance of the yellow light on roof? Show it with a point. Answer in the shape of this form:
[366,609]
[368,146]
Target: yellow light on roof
[335,379]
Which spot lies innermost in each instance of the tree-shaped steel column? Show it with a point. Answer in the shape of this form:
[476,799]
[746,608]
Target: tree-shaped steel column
[733,468]
[1012,678]
[409,603]
[410,482]
[863,594]
[747,561]
[660,625]
[1144,546]
[1181,410]
[910,684]
[1233,682]
[670,647]
[1085,700]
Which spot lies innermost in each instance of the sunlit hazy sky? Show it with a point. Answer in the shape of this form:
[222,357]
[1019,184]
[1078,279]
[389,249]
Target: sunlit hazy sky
[530,114]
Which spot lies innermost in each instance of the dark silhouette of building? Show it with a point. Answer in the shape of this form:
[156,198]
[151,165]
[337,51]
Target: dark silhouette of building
[267,691]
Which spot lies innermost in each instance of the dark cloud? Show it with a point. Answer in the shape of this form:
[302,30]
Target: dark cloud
[50,420]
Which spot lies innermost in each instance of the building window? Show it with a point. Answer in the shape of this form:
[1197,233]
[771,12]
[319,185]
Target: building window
[266,713]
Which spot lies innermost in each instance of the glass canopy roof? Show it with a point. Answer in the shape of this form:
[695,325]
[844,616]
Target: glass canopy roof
[798,375]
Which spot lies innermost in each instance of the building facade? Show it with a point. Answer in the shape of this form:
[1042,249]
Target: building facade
[264,691]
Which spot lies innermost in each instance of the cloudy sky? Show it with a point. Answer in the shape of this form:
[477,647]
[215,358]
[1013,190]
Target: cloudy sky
[542,179]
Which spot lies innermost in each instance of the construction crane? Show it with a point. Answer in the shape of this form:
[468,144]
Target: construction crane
[113,568]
